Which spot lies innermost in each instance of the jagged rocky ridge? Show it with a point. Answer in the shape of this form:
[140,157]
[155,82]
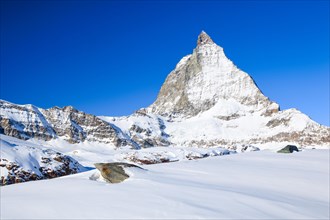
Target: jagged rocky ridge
[27,121]
[205,101]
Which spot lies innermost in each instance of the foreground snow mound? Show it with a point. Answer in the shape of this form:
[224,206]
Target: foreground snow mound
[254,185]
[21,163]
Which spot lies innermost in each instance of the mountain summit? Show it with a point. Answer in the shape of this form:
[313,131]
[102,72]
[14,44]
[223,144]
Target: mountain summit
[204,38]
[207,78]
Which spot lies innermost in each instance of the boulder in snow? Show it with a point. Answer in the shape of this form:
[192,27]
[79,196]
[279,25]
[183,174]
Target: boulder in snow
[114,172]
[288,149]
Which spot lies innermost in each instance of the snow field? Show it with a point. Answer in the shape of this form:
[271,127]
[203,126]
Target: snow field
[254,185]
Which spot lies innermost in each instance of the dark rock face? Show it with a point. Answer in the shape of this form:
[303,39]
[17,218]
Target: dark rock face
[277,122]
[229,117]
[204,38]
[288,149]
[114,172]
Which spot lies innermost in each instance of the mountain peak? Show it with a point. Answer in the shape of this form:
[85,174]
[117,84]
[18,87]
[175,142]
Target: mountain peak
[204,38]
[207,78]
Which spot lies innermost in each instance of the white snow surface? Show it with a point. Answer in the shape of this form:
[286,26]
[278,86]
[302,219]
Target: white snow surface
[254,185]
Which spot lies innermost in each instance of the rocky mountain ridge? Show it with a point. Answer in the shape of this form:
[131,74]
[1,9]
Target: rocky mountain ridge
[28,121]
[206,101]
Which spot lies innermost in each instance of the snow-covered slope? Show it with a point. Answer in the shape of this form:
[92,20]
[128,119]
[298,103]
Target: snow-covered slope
[290,126]
[255,185]
[147,130]
[21,161]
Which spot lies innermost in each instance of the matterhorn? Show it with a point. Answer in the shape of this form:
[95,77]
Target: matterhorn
[206,103]
[207,78]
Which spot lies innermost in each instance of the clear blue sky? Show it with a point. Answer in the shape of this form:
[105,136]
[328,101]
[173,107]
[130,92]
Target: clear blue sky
[111,57]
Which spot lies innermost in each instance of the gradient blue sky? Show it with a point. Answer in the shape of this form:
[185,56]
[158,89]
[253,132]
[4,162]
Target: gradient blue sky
[111,57]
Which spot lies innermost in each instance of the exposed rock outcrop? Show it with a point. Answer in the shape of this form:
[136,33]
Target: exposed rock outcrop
[204,38]
[288,149]
[114,172]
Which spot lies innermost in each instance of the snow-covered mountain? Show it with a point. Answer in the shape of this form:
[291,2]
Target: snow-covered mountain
[205,102]
[206,108]
[206,78]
